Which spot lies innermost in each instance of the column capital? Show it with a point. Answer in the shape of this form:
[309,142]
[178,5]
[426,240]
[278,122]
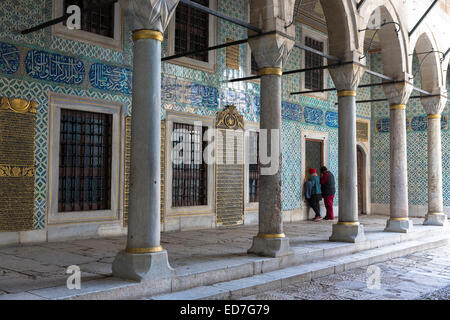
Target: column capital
[148,14]
[435,105]
[398,93]
[272,50]
[346,77]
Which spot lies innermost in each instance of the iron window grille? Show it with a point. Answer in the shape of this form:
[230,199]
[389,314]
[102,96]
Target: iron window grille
[253,167]
[192,30]
[189,173]
[99,21]
[313,79]
[84,161]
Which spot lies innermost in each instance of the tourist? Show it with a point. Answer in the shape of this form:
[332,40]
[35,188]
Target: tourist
[316,193]
[327,183]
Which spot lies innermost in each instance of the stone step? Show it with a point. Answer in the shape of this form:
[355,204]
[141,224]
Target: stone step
[282,278]
[229,268]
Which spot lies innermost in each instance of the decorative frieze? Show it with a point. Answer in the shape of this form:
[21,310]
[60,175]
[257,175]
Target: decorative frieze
[417,124]
[313,116]
[111,78]
[9,58]
[54,67]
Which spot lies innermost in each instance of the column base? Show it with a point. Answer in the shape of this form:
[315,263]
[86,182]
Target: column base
[270,247]
[439,220]
[347,233]
[141,267]
[400,226]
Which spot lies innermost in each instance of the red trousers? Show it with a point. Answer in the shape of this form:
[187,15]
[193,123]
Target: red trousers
[329,206]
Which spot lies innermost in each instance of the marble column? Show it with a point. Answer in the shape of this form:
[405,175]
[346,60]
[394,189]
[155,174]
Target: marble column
[398,95]
[144,258]
[348,229]
[434,107]
[271,52]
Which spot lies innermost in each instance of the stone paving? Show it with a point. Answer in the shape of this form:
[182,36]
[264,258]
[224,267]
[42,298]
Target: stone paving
[29,267]
[422,276]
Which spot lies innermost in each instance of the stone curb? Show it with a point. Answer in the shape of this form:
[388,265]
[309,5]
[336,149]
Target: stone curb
[215,272]
[282,278]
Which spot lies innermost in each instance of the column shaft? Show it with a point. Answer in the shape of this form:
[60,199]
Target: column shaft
[144,258]
[348,170]
[270,206]
[348,228]
[144,208]
[435,197]
[398,163]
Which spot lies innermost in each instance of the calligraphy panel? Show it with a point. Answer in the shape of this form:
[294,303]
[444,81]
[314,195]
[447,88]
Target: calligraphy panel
[110,78]
[291,111]
[313,116]
[54,67]
[362,131]
[9,58]
[331,119]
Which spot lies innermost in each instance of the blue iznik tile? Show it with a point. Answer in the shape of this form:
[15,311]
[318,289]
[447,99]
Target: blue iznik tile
[54,67]
[383,125]
[9,58]
[291,111]
[313,116]
[110,78]
[331,119]
[419,123]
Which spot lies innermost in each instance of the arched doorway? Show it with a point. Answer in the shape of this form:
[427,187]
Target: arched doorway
[361,160]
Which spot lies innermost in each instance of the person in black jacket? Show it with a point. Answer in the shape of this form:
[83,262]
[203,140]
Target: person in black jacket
[328,185]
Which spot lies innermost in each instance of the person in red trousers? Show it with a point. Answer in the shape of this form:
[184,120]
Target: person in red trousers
[328,187]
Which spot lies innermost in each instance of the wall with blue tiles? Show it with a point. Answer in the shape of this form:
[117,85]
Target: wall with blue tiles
[416,124]
[33,65]
[36,64]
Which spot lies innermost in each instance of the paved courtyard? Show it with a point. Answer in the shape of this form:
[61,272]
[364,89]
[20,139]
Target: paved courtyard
[422,275]
[29,267]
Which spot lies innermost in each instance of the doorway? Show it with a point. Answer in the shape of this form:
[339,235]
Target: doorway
[314,154]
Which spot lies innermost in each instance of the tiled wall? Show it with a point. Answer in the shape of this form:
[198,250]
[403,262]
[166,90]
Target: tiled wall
[106,74]
[417,146]
[39,63]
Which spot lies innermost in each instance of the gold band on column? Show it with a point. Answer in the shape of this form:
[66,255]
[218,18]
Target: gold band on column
[398,107]
[436,213]
[148,34]
[348,223]
[270,71]
[271,235]
[347,93]
[400,219]
[144,250]
[434,116]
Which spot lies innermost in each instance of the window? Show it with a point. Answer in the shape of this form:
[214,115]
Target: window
[99,20]
[314,79]
[189,170]
[254,167]
[100,25]
[192,30]
[84,161]
[85,180]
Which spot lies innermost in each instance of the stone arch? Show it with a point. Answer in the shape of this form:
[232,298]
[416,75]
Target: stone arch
[342,28]
[431,69]
[394,46]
